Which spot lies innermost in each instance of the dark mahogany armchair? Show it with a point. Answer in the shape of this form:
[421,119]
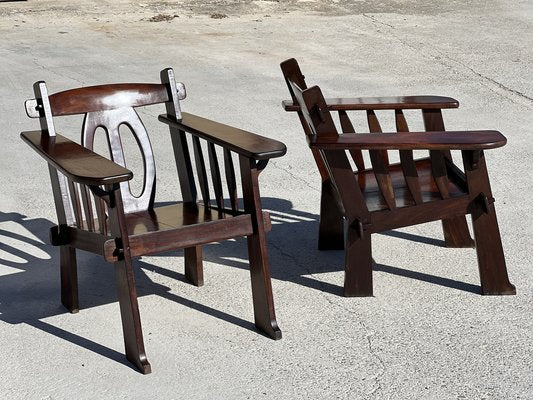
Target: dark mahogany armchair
[97,211]
[387,195]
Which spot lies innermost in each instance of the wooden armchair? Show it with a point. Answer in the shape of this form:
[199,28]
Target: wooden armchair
[97,211]
[388,196]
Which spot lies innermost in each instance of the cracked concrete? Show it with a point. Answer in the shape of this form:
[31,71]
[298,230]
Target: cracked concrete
[427,333]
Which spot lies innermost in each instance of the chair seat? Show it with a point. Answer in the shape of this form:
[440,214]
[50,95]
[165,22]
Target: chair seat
[172,216]
[430,192]
[182,225]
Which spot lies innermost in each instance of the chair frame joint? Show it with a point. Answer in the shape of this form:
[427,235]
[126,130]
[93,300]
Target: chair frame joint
[58,235]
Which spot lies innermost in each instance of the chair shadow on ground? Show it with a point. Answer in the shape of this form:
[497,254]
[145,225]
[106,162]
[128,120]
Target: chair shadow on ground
[30,292]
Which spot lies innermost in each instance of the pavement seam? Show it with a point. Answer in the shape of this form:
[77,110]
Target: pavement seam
[369,333]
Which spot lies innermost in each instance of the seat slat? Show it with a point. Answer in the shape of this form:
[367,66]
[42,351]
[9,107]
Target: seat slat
[429,190]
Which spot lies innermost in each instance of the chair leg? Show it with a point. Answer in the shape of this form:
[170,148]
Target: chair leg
[265,317]
[456,233]
[491,260]
[331,230]
[358,265]
[193,265]
[69,278]
[131,319]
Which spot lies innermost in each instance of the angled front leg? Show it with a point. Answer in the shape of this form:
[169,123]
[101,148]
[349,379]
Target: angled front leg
[358,264]
[490,256]
[265,317]
[456,233]
[127,293]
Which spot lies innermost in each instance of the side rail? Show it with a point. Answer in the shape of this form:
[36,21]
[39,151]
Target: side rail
[211,143]
[431,109]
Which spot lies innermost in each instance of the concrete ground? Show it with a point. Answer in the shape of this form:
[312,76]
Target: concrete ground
[426,333]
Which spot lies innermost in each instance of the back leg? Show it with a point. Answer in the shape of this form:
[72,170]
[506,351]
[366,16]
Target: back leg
[456,233]
[69,278]
[194,271]
[331,230]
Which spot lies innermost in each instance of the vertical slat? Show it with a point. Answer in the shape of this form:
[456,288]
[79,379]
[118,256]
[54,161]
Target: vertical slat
[347,127]
[215,175]
[230,179]
[380,163]
[183,164]
[433,122]
[87,207]
[375,127]
[408,164]
[201,171]
[456,232]
[101,214]
[76,206]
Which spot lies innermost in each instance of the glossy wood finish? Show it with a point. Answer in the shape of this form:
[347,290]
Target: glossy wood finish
[492,267]
[107,97]
[98,213]
[237,140]
[382,103]
[75,161]
[449,140]
[389,196]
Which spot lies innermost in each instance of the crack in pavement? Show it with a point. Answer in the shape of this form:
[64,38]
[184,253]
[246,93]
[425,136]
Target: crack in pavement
[499,88]
[55,72]
[274,164]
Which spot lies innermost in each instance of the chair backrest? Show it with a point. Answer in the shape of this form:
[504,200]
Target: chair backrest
[109,107]
[317,118]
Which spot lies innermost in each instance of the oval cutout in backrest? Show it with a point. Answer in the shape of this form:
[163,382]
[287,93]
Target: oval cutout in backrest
[111,120]
[101,143]
[133,158]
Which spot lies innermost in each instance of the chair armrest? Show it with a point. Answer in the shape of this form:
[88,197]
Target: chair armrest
[241,142]
[449,140]
[76,162]
[383,103]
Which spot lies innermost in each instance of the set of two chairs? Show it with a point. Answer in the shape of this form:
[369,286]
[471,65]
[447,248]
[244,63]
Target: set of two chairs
[98,212]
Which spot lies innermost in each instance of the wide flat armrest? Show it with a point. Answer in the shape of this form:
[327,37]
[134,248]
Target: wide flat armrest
[449,140]
[75,161]
[242,142]
[383,103]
